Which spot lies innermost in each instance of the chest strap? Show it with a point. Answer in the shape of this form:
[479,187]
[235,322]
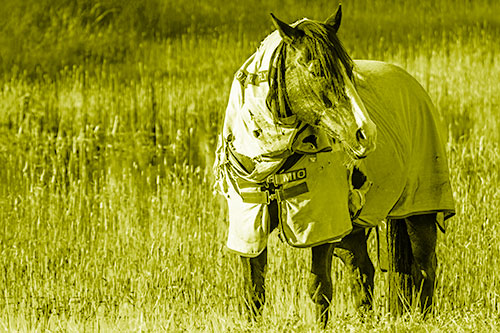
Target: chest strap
[272,188]
[265,195]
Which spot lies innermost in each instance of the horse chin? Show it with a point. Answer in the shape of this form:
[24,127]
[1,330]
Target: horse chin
[360,157]
[356,154]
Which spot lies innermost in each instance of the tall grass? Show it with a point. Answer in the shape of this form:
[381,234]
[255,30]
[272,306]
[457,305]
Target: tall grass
[107,131]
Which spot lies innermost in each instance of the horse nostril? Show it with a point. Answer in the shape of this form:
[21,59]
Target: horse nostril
[360,136]
[327,101]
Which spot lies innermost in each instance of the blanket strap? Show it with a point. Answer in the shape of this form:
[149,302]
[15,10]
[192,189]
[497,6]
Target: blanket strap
[272,188]
[257,196]
[293,191]
[265,196]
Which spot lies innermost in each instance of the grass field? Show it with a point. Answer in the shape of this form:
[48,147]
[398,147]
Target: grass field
[108,118]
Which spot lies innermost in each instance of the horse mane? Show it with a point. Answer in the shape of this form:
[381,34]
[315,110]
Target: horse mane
[320,38]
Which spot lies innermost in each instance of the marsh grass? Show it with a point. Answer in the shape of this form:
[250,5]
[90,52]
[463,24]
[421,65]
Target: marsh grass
[108,217]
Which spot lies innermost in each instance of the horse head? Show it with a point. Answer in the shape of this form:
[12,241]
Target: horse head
[318,81]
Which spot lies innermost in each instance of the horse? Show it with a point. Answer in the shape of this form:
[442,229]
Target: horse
[384,121]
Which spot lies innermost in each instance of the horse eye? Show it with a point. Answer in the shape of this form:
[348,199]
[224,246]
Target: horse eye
[327,101]
[315,69]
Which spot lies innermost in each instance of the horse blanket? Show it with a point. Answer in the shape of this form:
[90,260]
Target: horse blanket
[409,167]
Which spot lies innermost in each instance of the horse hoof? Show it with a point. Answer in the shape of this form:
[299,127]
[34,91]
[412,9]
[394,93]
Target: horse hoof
[322,313]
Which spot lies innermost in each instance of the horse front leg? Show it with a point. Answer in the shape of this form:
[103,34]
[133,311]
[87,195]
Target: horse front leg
[254,271]
[353,252]
[320,284]
[254,275]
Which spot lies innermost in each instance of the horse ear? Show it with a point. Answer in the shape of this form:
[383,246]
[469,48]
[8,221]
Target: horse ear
[334,20]
[287,32]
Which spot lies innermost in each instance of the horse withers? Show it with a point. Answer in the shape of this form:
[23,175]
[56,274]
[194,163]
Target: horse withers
[300,111]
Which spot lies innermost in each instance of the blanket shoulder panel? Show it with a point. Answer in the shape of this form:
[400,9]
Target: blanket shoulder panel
[409,168]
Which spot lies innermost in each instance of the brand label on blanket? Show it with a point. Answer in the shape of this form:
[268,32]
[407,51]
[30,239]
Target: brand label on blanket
[283,178]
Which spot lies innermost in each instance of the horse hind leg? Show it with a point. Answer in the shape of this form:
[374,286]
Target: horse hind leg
[320,283]
[412,247]
[352,250]
[400,266]
[422,233]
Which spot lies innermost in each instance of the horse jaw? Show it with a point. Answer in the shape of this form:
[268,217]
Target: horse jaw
[349,123]
[366,144]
